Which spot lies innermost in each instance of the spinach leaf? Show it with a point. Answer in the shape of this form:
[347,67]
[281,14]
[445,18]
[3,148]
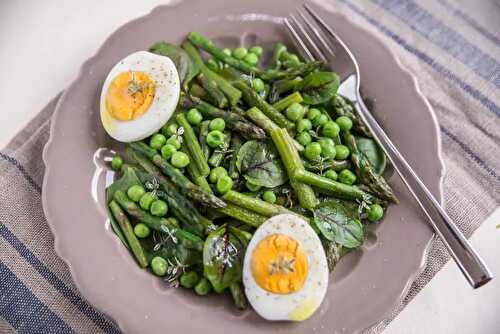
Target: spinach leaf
[317,80]
[186,68]
[128,179]
[338,222]
[372,151]
[223,255]
[260,164]
[319,87]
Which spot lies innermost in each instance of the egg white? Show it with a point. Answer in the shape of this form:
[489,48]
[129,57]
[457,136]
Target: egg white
[299,305]
[162,70]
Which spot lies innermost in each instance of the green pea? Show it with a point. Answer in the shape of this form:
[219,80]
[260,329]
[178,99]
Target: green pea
[215,139]
[189,279]
[331,174]
[347,177]
[313,151]
[173,221]
[258,85]
[174,141]
[203,287]
[135,192]
[226,51]
[342,152]
[216,173]
[375,213]
[217,124]
[251,59]
[158,208]
[269,196]
[159,266]
[169,130]
[194,116]
[157,141]
[319,120]
[295,111]
[240,53]
[252,187]
[213,65]
[142,231]
[330,129]
[117,162]
[303,124]
[167,150]
[327,148]
[146,200]
[304,138]
[179,159]
[224,184]
[344,122]
[294,59]
[313,113]
[256,50]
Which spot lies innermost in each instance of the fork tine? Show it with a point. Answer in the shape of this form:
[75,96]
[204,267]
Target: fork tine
[307,39]
[325,28]
[317,34]
[299,43]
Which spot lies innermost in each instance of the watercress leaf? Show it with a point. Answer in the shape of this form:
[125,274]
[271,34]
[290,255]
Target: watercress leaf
[338,222]
[372,151]
[259,163]
[186,68]
[223,258]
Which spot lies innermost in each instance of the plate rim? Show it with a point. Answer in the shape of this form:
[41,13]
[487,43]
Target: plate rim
[405,72]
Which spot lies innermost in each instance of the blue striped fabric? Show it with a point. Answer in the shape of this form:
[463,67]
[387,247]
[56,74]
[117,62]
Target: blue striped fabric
[38,265]
[429,60]
[23,310]
[420,20]
[470,21]
[29,312]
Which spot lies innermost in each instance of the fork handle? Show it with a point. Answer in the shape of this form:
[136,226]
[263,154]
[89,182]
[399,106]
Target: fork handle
[468,260]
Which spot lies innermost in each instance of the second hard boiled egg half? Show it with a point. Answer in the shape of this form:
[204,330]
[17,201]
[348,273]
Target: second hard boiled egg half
[285,272]
[139,95]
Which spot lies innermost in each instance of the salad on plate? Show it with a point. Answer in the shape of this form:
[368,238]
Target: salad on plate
[243,175]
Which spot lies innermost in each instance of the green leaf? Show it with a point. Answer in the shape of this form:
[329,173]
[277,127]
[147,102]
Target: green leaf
[186,68]
[317,80]
[260,164]
[128,179]
[223,255]
[338,222]
[333,252]
[319,87]
[372,151]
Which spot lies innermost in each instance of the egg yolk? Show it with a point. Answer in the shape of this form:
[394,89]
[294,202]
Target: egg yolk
[130,95]
[279,264]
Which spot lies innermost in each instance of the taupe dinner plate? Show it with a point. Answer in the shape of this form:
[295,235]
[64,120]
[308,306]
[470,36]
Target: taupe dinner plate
[365,286]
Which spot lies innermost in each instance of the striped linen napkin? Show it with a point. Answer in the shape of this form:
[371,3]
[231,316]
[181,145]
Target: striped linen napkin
[453,49]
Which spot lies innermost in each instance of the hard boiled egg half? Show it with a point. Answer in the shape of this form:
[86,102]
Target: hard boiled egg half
[285,272]
[139,95]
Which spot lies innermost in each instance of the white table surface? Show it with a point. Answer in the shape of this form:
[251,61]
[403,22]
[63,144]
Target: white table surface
[43,44]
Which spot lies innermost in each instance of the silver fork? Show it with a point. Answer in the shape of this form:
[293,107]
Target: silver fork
[315,40]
